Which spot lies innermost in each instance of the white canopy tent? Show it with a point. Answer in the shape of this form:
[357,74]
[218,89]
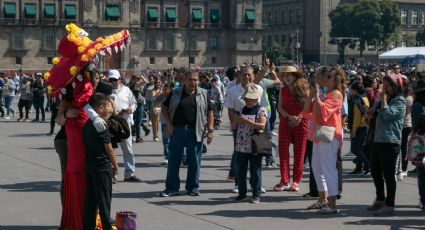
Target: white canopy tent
[402,52]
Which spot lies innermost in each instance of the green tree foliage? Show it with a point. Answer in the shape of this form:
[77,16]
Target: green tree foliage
[341,28]
[390,21]
[370,21]
[420,36]
[276,54]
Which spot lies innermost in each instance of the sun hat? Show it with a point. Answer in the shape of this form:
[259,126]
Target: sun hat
[395,78]
[251,92]
[288,69]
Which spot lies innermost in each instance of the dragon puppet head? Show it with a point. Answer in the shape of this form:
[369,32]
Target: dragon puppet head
[77,51]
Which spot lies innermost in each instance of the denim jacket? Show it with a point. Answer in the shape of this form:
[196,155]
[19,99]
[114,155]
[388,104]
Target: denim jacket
[389,121]
[201,108]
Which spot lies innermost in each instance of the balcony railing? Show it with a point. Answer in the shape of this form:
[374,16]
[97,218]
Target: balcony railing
[30,22]
[9,21]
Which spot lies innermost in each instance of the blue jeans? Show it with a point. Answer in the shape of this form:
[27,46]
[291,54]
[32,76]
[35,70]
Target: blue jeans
[421,183]
[357,148]
[273,107]
[181,138]
[165,140]
[234,161]
[8,104]
[138,116]
[269,157]
[254,173]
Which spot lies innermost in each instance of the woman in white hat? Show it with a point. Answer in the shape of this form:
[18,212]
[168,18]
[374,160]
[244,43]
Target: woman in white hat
[253,117]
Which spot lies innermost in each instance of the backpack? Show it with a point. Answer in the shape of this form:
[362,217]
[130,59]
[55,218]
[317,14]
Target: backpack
[416,149]
[118,128]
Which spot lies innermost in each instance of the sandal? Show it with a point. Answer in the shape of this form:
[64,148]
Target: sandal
[316,205]
[294,187]
[280,187]
[327,210]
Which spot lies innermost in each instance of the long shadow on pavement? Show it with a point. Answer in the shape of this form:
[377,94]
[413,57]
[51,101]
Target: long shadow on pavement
[392,224]
[345,211]
[34,186]
[22,227]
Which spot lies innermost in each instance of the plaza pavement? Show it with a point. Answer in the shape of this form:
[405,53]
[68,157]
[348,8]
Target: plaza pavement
[30,175]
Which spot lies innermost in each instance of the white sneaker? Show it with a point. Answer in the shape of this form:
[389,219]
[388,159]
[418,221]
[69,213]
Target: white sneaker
[263,190]
[420,206]
[274,133]
[401,176]
[235,189]
[156,139]
[7,118]
[164,162]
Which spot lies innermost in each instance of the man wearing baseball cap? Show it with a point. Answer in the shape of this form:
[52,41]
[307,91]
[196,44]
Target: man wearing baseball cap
[125,104]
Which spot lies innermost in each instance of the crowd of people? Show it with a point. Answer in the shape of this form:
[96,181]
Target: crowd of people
[377,107]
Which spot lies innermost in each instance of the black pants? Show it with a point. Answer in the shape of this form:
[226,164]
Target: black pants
[54,110]
[309,155]
[383,164]
[312,182]
[404,139]
[24,104]
[272,120]
[98,195]
[38,102]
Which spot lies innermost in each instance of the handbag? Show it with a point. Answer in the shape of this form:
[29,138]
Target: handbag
[126,220]
[324,133]
[261,143]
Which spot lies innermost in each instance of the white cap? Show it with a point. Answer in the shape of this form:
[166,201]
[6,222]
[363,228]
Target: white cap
[114,74]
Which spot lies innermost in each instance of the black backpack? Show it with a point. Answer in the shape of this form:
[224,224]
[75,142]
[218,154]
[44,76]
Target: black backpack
[119,129]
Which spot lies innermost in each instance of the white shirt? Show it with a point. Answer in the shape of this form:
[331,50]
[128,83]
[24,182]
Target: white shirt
[234,101]
[124,98]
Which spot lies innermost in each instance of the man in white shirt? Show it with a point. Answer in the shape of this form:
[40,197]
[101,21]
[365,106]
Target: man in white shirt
[125,104]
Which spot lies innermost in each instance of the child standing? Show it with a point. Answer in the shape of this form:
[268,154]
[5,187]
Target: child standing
[101,165]
[252,117]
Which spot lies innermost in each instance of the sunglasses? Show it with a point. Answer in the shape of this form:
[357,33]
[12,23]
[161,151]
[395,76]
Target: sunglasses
[396,67]
[113,80]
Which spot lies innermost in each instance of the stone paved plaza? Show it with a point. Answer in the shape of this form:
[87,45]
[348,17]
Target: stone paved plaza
[30,178]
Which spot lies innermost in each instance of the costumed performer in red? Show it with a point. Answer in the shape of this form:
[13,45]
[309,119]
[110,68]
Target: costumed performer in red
[77,51]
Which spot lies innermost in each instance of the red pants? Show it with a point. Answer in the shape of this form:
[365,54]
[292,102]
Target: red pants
[298,137]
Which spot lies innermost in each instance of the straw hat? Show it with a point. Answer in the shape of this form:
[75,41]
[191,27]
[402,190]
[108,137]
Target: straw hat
[288,69]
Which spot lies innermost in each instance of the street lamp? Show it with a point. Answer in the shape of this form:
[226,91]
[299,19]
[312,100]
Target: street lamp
[189,18]
[251,49]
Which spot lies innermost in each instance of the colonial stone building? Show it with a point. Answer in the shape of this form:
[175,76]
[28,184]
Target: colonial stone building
[302,27]
[165,33]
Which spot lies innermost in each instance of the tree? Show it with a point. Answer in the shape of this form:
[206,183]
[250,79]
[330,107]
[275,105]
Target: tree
[340,27]
[367,27]
[390,21]
[275,54]
[372,22]
[420,36]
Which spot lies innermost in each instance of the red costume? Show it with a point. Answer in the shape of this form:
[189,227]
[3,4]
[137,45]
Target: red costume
[77,50]
[296,135]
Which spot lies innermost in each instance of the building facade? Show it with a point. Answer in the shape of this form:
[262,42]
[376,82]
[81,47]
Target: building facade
[165,33]
[302,28]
